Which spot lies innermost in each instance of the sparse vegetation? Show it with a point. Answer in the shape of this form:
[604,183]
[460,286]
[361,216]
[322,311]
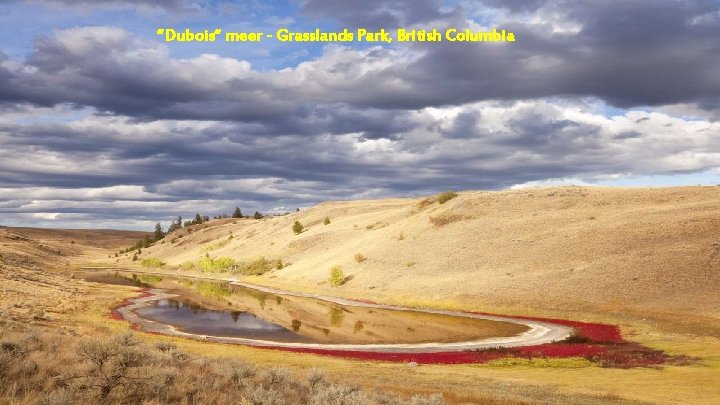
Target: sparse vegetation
[258,266]
[446,196]
[152,262]
[360,258]
[326,221]
[52,368]
[298,228]
[237,213]
[444,219]
[337,276]
[221,264]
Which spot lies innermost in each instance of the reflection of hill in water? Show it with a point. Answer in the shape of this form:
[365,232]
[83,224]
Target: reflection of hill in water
[311,319]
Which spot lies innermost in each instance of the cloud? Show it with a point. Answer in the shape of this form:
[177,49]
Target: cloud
[184,6]
[102,165]
[98,122]
[627,54]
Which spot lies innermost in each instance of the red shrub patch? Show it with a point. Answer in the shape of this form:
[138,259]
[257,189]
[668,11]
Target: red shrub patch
[600,343]
[115,315]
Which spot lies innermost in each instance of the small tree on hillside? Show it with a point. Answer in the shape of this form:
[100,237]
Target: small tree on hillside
[337,277]
[159,233]
[237,213]
[298,228]
[198,219]
[257,215]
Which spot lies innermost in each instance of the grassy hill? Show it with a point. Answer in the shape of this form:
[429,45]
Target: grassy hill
[649,253]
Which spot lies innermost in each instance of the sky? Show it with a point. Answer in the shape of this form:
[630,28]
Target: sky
[105,125]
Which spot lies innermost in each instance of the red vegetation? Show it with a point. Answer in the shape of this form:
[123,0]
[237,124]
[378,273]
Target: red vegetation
[597,342]
[115,315]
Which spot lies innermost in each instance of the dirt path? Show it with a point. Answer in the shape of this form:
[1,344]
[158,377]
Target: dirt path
[538,332]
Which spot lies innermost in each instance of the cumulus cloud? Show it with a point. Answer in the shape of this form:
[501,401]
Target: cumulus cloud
[166,168]
[97,122]
[140,5]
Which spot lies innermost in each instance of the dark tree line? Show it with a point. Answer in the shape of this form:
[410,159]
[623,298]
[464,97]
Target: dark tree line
[159,233]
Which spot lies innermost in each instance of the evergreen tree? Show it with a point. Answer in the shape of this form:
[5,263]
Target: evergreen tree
[237,213]
[257,215]
[197,220]
[159,233]
[298,228]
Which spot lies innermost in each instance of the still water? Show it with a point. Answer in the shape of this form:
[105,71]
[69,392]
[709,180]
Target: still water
[219,308]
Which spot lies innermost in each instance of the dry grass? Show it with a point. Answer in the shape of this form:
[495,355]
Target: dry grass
[647,261]
[445,218]
[60,369]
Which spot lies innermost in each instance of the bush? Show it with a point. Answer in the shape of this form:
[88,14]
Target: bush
[63,368]
[446,196]
[444,219]
[359,257]
[152,262]
[188,265]
[258,266]
[221,264]
[337,277]
[298,228]
[326,221]
[338,395]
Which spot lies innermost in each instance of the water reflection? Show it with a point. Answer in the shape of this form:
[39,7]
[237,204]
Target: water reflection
[194,318]
[224,309]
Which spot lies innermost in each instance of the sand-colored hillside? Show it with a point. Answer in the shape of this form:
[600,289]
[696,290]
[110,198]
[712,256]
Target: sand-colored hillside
[53,248]
[644,252]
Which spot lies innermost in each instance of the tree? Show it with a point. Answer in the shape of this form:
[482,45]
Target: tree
[297,209]
[205,218]
[337,277]
[237,213]
[298,228]
[257,215]
[326,221]
[198,219]
[159,233]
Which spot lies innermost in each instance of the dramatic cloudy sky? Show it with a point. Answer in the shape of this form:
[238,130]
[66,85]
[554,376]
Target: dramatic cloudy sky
[102,124]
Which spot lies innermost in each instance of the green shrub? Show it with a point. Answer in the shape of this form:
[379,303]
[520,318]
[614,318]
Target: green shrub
[298,228]
[221,264]
[446,196]
[337,276]
[188,265]
[152,262]
[326,221]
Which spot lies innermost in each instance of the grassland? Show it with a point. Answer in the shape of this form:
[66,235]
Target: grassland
[645,259]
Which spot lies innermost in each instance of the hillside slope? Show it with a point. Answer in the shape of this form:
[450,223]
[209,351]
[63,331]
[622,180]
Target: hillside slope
[645,252]
[52,248]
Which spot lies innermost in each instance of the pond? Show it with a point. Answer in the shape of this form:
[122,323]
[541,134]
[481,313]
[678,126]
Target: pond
[217,308]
